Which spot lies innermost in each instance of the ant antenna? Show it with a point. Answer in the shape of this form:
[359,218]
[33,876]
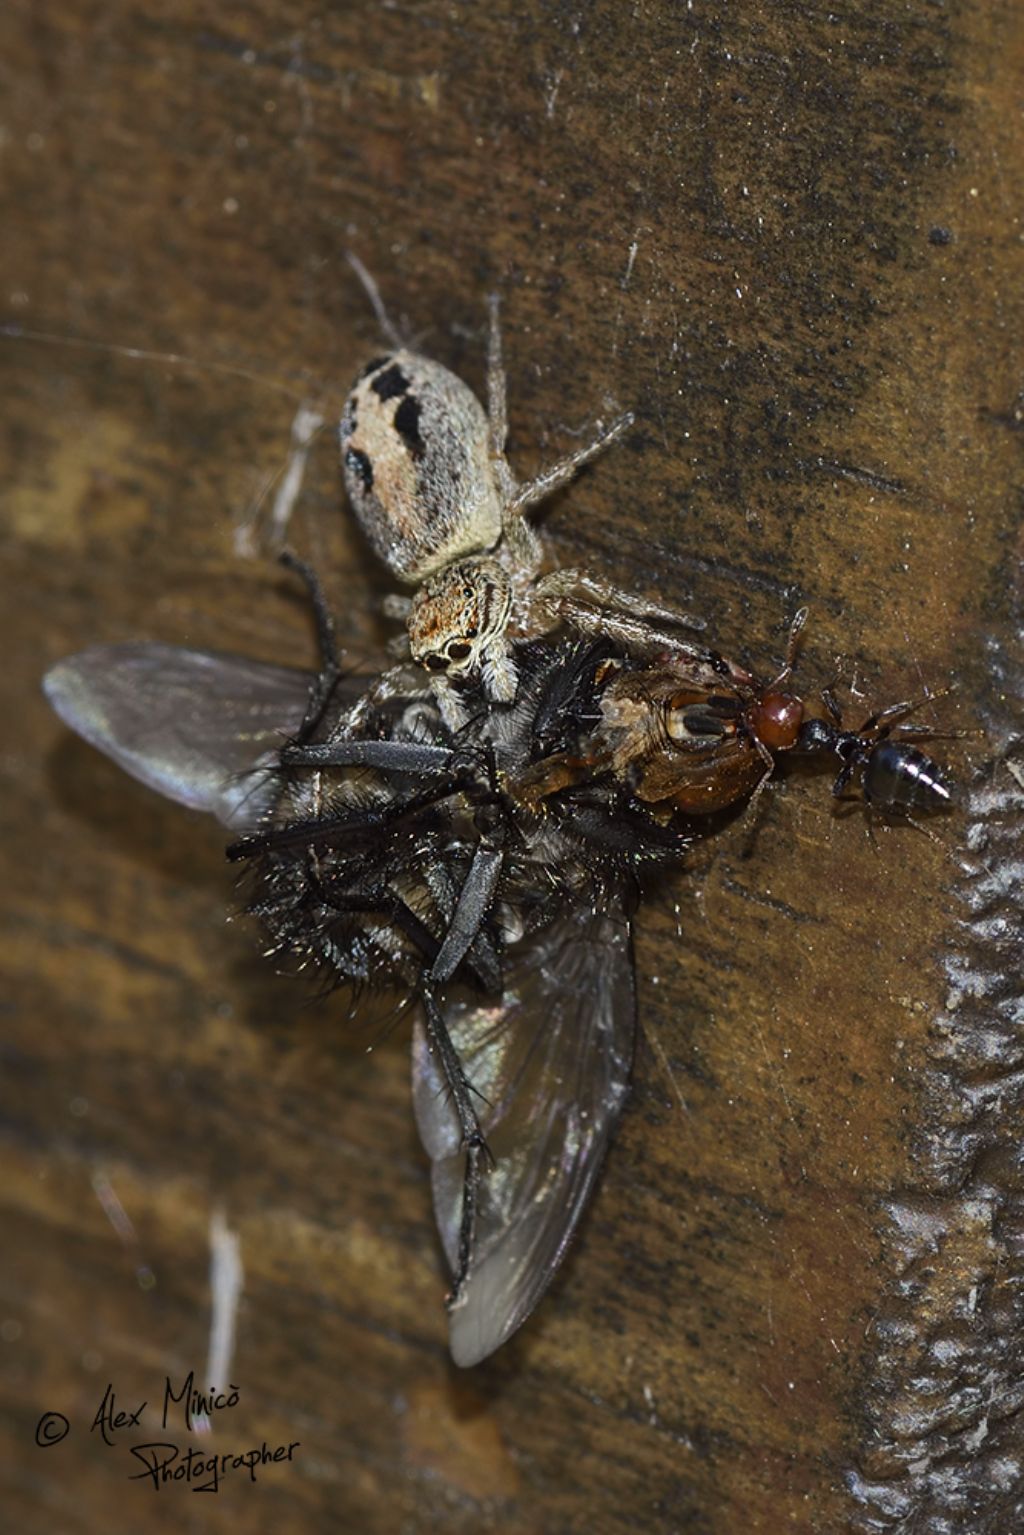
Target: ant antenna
[796,629]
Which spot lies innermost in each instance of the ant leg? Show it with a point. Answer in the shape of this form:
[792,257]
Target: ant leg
[750,817]
[549,480]
[796,629]
[891,716]
[886,718]
[843,778]
[893,816]
[926,831]
[922,733]
[831,703]
[762,782]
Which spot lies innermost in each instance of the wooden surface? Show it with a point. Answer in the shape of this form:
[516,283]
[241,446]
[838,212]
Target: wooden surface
[791,241]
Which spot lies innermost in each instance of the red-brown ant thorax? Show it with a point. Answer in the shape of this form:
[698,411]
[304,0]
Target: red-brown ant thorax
[776,720]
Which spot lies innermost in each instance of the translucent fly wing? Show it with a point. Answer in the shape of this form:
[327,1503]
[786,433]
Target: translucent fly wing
[551,1063]
[192,724]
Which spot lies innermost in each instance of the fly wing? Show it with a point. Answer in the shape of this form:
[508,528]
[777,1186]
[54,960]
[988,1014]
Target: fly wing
[192,724]
[550,1063]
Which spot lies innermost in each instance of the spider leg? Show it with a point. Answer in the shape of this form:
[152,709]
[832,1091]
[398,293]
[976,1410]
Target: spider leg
[559,473]
[497,409]
[389,330]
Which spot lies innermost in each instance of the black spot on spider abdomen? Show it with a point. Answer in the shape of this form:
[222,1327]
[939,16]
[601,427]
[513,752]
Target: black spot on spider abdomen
[389,384]
[407,425]
[357,464]
[371,367]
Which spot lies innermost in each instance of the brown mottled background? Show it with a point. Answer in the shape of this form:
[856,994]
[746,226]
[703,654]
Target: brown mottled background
[790,239]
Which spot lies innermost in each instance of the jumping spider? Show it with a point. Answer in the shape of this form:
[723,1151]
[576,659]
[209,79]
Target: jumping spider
[428,479]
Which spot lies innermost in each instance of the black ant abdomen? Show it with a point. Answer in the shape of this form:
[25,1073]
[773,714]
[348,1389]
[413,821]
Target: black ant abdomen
[897,776]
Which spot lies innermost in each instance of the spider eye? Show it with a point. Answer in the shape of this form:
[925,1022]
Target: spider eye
[458,650]
[436,663]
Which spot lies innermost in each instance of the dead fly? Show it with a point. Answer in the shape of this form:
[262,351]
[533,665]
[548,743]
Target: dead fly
[488,870]
[405,854]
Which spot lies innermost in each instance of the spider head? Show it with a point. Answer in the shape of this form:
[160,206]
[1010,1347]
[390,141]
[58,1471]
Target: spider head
[457,616]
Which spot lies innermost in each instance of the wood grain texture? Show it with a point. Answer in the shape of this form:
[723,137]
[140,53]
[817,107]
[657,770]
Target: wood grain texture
[790,240]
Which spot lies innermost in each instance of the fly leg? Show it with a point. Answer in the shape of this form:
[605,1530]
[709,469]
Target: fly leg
[471,909]
[478,1157]
[388,756]
[326,679]
[465,927]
